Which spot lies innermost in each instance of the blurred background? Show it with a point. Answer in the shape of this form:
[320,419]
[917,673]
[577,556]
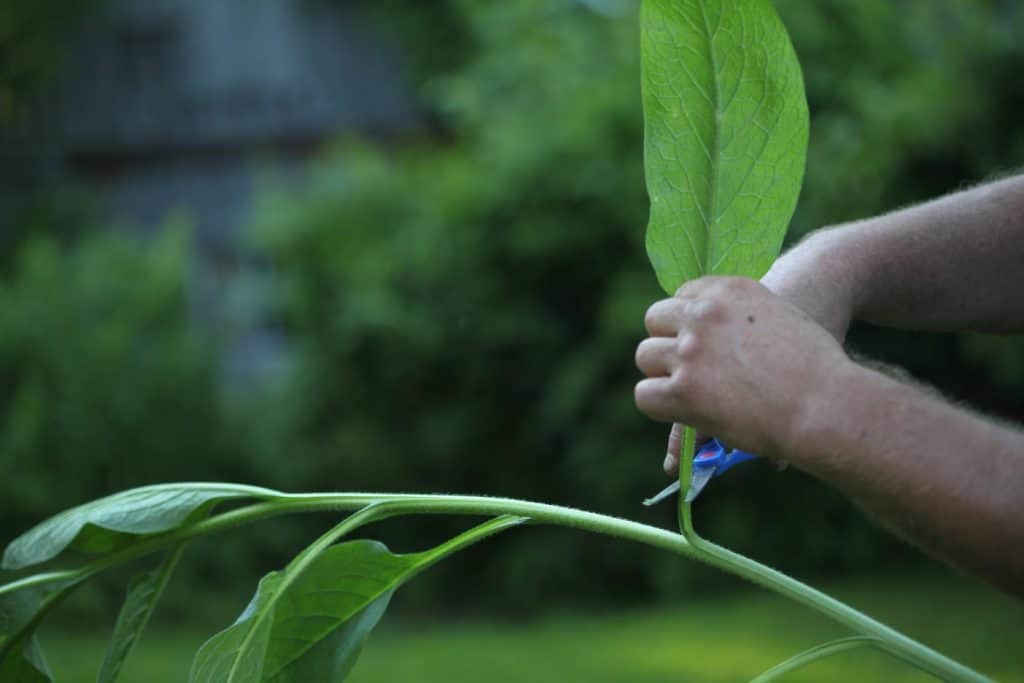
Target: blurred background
[395,245]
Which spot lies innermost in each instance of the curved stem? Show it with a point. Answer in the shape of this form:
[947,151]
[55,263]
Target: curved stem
[401,504]
[812,655]
[889,639]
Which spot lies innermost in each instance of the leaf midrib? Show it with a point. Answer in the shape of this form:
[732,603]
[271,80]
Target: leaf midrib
[397,581]
[422,561]
[290,575]
[716,97]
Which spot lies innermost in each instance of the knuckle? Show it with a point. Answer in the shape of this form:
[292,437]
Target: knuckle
[688,345]
[743,285]
[708,309]
[694,287]
[685,288]
[681,384]
[733,285]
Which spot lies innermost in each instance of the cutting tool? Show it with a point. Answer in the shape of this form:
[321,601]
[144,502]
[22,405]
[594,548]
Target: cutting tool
[712,460]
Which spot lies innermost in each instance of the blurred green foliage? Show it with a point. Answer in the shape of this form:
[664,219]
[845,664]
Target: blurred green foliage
[462,308]
[105,383]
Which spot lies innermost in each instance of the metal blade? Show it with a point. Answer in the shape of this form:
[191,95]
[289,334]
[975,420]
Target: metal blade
[698,481]
[666,492]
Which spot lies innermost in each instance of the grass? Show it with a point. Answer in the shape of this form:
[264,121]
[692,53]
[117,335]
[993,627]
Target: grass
[724,639]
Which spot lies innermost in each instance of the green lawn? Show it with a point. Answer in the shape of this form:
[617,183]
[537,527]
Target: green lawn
[722,639]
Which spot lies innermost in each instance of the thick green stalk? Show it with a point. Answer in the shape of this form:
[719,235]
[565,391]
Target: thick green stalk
[404,504]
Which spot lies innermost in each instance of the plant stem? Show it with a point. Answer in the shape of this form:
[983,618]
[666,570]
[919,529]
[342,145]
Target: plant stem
[891,640]
[689,442]
[405,504]
[812,655]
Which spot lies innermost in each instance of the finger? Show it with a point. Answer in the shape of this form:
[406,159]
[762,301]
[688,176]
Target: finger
[664,317]
[675,443]
[654,398]
[657,356]
[669,317]
[675,446]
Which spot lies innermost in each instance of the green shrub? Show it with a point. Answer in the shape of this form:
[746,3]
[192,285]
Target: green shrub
[105,382]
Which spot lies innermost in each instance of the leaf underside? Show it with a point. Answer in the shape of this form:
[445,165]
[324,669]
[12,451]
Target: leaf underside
[725,144]
[106,524]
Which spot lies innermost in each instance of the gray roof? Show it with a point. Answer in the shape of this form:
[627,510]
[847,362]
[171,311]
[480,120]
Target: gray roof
[194,73]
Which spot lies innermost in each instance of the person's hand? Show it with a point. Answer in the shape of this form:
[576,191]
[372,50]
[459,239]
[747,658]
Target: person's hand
[811,277]
[730,358]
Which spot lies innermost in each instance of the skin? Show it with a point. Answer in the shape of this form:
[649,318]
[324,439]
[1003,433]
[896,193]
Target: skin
[761,366]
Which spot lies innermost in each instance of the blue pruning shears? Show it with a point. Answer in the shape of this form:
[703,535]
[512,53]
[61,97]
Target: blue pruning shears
[712,460]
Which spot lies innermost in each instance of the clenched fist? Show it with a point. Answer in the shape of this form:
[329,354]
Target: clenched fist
[730,358]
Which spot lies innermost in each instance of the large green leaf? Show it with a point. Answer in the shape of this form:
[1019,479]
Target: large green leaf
[143,594]
[331,660]
[109,523]
[277,636]
[725,144]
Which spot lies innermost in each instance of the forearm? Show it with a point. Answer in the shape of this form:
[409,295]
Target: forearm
[947,480]
[953,263]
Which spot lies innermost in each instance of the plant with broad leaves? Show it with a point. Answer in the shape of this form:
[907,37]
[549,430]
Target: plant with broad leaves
[726,134]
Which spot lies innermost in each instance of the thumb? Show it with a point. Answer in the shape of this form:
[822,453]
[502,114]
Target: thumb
[675,444]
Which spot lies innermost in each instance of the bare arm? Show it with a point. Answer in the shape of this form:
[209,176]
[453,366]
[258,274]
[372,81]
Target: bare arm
[953,263]
[946,480]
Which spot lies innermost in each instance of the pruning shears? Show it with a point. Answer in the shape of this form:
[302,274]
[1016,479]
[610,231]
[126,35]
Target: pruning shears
[712,460]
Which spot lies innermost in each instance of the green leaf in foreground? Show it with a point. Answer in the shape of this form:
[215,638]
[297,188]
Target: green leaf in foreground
[21,611]
[726,128]
[315,597]
[332,659]
[144,592]
[24,663]
[109,523]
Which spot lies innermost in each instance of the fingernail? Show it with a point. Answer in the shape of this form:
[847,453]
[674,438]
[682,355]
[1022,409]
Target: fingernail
[671,462]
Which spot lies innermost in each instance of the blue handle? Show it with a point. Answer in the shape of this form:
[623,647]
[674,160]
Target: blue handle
[714,454]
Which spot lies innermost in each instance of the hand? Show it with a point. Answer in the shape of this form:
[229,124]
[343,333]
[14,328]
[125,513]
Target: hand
[730,358]
[812,277]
